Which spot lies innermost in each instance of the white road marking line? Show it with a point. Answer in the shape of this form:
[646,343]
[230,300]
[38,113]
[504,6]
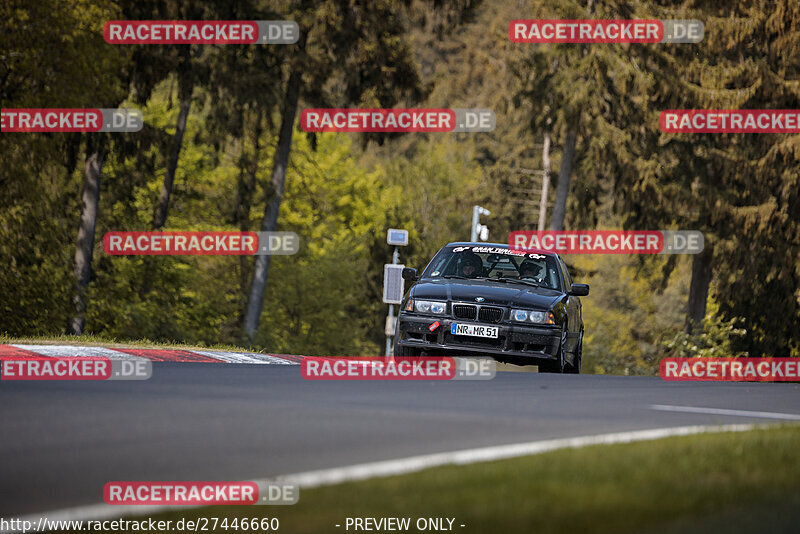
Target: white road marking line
[326,477]
[69,351]
[402,466]
[723,411]
[243,357]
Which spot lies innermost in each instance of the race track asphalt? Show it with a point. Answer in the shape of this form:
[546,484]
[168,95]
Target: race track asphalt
[62,441]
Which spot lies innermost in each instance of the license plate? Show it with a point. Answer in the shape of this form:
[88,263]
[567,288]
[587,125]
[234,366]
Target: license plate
[477,330]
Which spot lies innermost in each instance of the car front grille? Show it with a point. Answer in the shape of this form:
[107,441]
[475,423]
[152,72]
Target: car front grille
[490,315]
[464,311]
[486,314]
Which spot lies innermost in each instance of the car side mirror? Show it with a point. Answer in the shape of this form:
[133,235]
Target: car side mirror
[579,290]
[410,274]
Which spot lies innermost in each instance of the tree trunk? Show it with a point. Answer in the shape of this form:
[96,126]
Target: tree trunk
[698,289]
[255,301]
[85,244]
[562,190]
[160,217]
[244,200]
[545,182]
[162,206]
[246,183]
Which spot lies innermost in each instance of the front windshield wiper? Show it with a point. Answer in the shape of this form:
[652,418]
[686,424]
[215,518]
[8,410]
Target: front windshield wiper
[455,276]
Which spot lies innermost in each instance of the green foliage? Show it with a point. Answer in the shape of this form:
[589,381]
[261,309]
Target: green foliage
[316,299]
[738,189]
[52,54]
[628,311]
[718,338]
[344,191]
[715,341]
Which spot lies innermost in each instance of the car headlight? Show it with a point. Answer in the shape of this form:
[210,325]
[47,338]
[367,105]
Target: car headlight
[539,317]
[426,306]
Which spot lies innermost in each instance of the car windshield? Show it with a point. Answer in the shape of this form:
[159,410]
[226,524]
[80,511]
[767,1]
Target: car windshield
[495,263]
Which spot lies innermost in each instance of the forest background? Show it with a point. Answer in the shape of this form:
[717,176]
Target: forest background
[221,150]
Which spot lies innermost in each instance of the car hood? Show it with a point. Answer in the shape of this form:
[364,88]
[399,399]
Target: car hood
[501,294]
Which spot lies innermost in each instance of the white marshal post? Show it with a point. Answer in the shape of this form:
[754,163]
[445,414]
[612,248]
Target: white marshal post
[393,283]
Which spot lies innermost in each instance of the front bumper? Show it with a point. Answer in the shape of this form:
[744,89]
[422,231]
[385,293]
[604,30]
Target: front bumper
[540,342]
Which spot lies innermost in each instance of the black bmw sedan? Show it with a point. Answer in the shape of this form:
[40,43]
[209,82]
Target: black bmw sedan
[486,299]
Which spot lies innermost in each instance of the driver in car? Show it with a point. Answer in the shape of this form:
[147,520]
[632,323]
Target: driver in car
[530,269]
[471,265]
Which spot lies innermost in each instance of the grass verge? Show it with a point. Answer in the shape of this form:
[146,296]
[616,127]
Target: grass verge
[726,482]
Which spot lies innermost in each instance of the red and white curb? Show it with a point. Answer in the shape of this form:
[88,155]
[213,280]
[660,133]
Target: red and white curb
[156,355]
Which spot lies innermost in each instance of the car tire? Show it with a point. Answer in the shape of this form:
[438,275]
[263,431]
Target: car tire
[402,350]
[575,368]
[556,366]
[552,366]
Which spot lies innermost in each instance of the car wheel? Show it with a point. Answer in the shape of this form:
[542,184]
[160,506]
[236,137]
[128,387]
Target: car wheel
[402,350]
[575,368]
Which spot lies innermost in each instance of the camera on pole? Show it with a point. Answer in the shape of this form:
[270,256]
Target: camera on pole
[478,229]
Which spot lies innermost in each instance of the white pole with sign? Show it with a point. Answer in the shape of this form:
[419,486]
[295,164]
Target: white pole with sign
[393,283]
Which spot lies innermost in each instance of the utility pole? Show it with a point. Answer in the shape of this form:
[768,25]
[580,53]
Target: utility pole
[545,182]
